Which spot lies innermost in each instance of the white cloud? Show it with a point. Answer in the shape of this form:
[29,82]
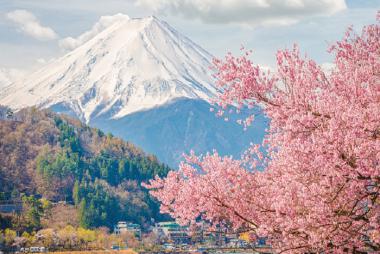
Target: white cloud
[246,12]
[70,43]
[30,25]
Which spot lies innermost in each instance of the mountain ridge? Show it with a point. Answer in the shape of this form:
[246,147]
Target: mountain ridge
[62,159]
[143,81]
[132,65]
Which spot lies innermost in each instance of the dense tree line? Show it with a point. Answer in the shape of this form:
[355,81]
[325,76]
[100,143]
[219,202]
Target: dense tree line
[65,160]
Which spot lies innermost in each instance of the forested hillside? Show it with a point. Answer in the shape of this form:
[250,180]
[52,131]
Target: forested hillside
[58,158]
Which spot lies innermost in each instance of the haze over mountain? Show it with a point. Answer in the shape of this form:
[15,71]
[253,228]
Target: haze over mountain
[143,81]
[8,76]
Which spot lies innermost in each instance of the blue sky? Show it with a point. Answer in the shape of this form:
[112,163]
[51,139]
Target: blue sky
[30,30]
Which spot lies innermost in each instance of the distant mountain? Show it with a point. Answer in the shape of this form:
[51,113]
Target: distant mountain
[143,81]
[183,125]
[133,65]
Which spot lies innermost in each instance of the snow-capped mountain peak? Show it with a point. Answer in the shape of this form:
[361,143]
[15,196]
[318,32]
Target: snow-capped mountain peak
[131,65]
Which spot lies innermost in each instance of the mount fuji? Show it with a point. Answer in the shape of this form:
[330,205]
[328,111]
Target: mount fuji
[133,65]
[143,81]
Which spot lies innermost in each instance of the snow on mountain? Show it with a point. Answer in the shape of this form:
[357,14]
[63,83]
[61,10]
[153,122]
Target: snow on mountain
[129,66]
[142,81]
[70,43]
[182,126]
[8,76]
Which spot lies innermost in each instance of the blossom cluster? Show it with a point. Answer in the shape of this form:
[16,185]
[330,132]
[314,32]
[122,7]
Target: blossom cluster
[320,187]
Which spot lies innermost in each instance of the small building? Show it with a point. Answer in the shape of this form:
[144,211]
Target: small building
[123,226]
[172,231]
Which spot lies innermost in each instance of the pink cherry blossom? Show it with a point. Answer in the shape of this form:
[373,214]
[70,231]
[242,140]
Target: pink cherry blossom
[320,187]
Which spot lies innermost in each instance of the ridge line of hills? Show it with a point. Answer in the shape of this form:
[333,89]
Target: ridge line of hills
[58,158]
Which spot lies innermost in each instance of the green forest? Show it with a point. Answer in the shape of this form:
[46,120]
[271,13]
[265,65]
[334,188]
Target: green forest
[48,159]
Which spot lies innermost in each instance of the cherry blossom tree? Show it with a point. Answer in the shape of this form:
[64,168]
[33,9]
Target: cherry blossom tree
[319,190]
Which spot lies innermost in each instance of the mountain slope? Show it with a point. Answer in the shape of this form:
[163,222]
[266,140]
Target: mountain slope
[132,65]
[8,76]
[183,125]
[60,158]
[143,81]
